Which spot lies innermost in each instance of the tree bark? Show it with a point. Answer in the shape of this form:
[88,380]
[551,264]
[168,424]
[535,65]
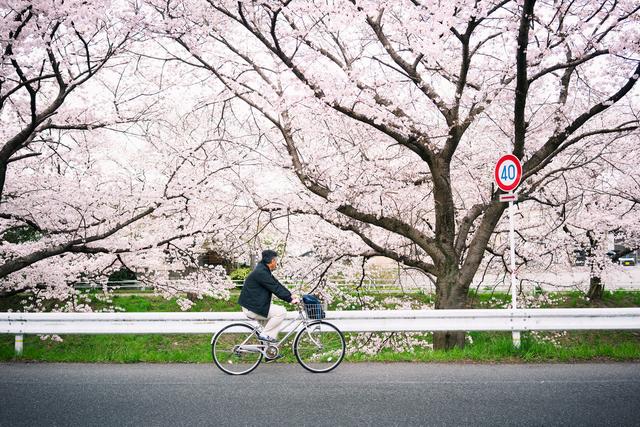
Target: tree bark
[450,294]
[596,289]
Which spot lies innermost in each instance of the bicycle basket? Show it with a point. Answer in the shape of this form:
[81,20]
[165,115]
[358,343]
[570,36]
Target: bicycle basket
[314,307]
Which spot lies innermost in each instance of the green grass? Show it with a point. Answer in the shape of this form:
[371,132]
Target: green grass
[112,348]
[145,302]
[137,303]
[498,347]
[486,346]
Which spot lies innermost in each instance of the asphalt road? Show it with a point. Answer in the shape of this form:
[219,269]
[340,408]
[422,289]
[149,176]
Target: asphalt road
[354,394]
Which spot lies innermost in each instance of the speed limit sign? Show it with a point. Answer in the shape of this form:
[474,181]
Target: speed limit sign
[508,172]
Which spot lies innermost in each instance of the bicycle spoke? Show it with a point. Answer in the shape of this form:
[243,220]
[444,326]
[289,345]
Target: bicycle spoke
[235,350]
[320,347]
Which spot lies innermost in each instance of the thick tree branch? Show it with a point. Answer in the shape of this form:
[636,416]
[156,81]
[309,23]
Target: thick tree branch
[522,84]
[16,264]
[382,251]
[571,64]
[546,152]
[465,226]
[388,223]
[425,88]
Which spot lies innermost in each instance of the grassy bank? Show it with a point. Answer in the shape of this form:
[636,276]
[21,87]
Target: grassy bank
[486,347]
[482,346]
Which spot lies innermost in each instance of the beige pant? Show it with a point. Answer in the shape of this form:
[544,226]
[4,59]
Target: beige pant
[274,319]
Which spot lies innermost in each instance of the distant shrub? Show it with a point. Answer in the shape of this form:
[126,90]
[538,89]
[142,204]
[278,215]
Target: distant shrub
[240,273]
[21,235]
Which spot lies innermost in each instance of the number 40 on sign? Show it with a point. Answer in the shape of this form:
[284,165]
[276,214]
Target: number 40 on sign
[508,173]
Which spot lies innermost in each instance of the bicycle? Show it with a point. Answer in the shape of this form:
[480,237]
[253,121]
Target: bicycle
[319,346]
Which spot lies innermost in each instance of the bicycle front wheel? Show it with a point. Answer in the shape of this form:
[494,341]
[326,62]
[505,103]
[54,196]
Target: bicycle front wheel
[236,349]
[319,347]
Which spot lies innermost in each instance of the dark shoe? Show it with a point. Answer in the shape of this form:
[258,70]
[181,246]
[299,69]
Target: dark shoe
[268,360]
[266,338]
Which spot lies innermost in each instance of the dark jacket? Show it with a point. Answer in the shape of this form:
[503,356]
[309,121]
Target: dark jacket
[257,289]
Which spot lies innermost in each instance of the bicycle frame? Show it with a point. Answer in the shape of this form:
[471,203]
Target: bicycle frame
[261,348]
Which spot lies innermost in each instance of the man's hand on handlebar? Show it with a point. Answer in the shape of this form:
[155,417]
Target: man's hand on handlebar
[295,300]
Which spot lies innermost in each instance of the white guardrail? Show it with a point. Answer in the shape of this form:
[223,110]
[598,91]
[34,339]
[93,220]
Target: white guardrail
[348,321]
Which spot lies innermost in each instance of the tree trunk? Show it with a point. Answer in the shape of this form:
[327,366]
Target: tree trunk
[450,294]
[596,289]
[446,340]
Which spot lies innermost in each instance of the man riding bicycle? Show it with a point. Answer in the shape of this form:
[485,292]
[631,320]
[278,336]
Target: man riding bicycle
[238,348]
[255,297]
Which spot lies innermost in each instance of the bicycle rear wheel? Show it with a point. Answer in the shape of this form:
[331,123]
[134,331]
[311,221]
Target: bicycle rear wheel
[235,349]
[319,347]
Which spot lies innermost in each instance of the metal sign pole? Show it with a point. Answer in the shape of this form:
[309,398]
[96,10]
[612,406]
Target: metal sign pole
[514,301]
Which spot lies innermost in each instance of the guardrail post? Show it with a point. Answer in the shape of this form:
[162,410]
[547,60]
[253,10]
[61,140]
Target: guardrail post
[515,336]
[19,345]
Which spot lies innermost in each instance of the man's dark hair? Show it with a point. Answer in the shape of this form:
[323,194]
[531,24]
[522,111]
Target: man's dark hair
[268,255]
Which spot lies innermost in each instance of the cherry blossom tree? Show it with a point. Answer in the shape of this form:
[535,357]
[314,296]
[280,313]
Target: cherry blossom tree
[49,50]
[98,167]
[391,114]
[603,208]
